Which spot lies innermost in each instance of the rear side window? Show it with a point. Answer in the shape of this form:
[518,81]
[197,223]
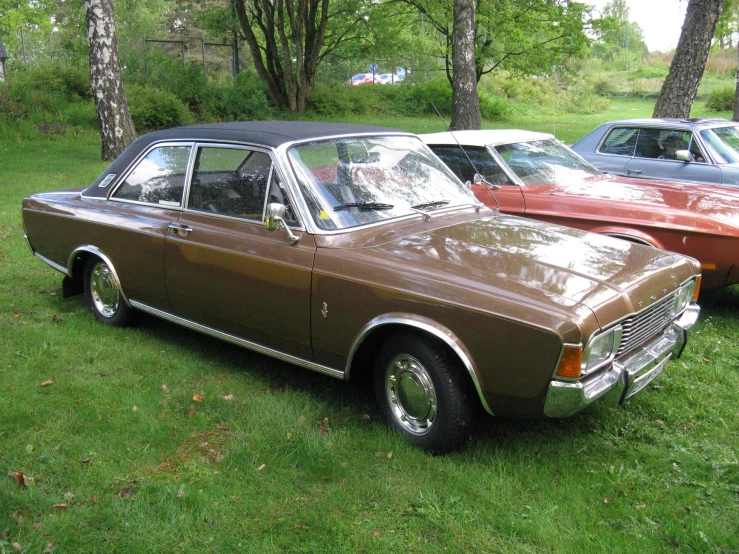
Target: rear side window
[621,141]
[230,182]
[454,157]
[157,179]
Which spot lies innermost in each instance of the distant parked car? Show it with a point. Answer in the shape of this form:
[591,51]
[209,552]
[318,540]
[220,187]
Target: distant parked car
[363,79]
[534,175]
[353,250]
[389,79]
[693,150]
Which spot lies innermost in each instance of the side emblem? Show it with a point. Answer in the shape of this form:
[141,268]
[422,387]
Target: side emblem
[324,310]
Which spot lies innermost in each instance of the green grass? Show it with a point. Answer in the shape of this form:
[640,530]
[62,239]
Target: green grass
[298,462]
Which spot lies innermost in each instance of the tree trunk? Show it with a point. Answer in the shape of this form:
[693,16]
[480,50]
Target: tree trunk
[465,102]
[735,117]
[116,125]
[686,70]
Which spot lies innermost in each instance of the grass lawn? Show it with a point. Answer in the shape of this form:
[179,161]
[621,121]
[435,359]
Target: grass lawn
[119,457]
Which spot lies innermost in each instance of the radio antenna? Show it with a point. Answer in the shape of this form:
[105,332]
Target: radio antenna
[484,181]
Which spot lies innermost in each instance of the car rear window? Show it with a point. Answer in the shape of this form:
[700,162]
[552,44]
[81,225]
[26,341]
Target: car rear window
[620,141]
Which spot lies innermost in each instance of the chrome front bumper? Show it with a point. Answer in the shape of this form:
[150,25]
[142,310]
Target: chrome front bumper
[627,376]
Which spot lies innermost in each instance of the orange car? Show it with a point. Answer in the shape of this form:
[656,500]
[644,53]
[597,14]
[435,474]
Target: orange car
[535,175]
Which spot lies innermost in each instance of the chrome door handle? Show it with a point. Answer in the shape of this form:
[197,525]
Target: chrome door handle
[635,171]
[180,230]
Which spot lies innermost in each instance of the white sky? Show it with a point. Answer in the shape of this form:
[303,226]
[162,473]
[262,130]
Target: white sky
[661,20]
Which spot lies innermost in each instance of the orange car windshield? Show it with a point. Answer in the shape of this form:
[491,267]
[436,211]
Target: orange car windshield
[543,162]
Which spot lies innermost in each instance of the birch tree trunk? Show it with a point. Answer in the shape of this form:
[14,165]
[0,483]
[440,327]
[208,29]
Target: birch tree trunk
[116,126]
[686,70]
[465,102]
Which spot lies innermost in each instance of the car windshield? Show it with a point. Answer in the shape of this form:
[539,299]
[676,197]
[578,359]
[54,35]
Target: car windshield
[723,144]
[362,180]
[543,162]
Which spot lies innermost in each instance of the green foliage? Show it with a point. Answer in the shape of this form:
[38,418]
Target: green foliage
[648,73]
[153,108]
[584,101]
[721,99]
[244,99]
[71,80]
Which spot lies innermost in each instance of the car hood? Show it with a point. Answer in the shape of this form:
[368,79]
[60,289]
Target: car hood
[531,262]
[716,206]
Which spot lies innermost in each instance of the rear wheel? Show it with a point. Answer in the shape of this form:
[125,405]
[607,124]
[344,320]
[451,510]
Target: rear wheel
[422,392]
[104,294]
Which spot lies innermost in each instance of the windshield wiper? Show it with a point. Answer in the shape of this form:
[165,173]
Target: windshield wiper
[364,206]
[434,204]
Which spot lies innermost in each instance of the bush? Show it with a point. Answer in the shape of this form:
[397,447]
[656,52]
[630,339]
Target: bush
[153,108]
[582,101]
[244,99]
[494,108]
[71,80]
[721,99]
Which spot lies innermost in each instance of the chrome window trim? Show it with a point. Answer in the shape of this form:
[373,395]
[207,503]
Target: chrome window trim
[506,168]
[238,146]
[97,252]
[331,372]
[445,336]
[133,165]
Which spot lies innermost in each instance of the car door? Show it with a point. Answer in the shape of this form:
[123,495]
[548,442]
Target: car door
[653,160]
[474,159]
[143,204]
[224,269]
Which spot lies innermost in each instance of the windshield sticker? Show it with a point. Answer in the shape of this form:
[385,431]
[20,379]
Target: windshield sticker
[105,182]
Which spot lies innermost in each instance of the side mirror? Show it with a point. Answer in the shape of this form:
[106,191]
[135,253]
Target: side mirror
[683,155]
[480,180]
[275,219]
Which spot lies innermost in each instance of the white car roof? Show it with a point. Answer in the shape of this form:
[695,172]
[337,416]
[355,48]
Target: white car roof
[484,138]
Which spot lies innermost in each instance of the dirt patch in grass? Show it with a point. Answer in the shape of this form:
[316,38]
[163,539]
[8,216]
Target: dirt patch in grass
[207,448]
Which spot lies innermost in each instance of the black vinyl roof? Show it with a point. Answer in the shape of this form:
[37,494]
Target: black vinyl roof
[269,134]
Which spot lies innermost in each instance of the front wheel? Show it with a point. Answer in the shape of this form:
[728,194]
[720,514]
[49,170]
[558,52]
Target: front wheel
[104,294]
[422,392]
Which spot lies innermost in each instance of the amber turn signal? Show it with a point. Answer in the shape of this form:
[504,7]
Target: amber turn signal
[697,290]
[571,362]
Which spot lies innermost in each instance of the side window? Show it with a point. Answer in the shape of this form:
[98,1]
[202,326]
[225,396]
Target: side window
[230,181]
[455,159]
[695,150]
[159,178]
[649,143]
[620,141]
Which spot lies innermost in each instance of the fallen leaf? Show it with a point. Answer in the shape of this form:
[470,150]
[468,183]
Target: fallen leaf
[661,421]
[389,455]
[47,383]
[16,546]
[19,477]
[366,417]
[55,318]
[165,388]
[49,547]
[61,506]
[228,397]
[706,360]
[38,525]
[224,428]
[192,409]
[67,496]
[235,500]
[640,506]
[52,294]
[16,314]
[134,408]
[376,533]
[197,398]
[86,460]
[93,499]
[686,367]
[687,509]
[180,492]
[301,419]
[261,467]
[606,501]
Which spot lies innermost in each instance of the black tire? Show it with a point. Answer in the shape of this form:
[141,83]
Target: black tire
[104,294]
[422,392]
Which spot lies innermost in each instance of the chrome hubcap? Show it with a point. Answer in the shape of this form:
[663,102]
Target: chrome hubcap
[411,394]
[105,292]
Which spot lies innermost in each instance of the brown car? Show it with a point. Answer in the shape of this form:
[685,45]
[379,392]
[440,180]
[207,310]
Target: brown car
[353,250]
[535,175]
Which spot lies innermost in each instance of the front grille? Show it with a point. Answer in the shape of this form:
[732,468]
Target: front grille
[642,327]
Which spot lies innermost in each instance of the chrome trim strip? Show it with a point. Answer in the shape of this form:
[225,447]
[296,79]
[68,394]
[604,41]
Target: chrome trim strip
[60,268]
[446,336]
[28,242]
[96,252]
[629,238]
[239,341]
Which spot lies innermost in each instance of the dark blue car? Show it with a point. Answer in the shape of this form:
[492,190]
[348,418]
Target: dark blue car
[695,150]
